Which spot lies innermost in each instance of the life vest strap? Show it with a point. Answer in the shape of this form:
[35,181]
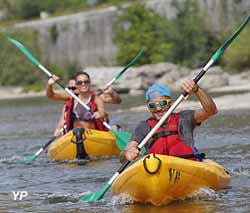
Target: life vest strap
[81,152]
[163,134]
[159,135]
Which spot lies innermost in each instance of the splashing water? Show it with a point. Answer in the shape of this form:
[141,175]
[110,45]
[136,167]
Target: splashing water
[202,194]
[241,172]
[122,199]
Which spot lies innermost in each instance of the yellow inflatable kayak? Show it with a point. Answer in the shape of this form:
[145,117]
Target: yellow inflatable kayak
[160,179]
[95,143]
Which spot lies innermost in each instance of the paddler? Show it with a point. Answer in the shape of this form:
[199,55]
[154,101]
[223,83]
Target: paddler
[175,136]
[76,115]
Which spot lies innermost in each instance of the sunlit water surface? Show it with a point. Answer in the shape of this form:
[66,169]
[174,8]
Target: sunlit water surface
[27,124]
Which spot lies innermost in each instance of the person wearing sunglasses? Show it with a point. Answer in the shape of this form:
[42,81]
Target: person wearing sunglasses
[79,116]
[62,125]
[175,136]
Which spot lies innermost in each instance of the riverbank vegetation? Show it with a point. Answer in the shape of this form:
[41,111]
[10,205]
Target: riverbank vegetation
[27,9]
[185,40]
[15,69]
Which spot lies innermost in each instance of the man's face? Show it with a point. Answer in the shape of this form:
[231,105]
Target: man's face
[158,106]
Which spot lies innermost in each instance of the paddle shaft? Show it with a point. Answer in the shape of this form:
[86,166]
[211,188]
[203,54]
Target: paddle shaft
[125,68]
[118,75]
[59,82]
[25,51]
[45,146]
[214,58]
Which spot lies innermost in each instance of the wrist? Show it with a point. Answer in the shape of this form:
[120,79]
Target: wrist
[197,89]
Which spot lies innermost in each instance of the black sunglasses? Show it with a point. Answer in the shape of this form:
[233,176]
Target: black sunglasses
[72,88]
[80,82]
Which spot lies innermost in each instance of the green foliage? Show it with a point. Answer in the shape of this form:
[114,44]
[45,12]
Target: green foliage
[15,68]
[71,70]
[184,40]
[237,57]
[193,43]
[33,87]
[139,27]
[26,9]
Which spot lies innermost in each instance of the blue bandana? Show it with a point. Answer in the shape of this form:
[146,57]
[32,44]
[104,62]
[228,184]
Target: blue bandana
[157,90]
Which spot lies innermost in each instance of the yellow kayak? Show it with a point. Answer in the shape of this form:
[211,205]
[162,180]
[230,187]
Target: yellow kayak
[161,179]
[96,143]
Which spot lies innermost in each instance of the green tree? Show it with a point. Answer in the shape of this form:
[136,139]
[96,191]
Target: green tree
[193,43]
[26,9]
[237,57]
[139,27]
[15,68]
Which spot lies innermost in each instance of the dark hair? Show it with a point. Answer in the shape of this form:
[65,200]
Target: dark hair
[81,73]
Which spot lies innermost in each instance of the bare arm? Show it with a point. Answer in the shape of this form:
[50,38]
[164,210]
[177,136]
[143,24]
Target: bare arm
[50,91]
[110,96]
[100,113]
[208,106]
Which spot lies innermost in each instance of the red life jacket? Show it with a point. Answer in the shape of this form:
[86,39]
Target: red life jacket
[67,114]
[167,141]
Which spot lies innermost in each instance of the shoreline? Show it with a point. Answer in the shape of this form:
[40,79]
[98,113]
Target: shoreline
[223,102]
[8,93]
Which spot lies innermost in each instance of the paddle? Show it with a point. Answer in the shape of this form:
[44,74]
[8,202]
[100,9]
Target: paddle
[121,137]
[39,152]
[118,75]
[98,195]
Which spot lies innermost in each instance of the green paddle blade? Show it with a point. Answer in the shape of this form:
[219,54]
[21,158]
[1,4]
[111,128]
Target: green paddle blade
[28,159]
[130,64]
[122,138]
[25,51]
[95,196]
[221,50]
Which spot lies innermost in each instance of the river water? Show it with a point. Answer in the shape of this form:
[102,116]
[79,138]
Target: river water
[27,124]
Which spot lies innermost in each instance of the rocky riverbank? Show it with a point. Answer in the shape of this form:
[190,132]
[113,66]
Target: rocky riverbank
[136,80]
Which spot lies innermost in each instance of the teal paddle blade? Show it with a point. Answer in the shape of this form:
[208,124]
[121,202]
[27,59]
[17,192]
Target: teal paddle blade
[122,138]
[24,51]
[28,159]
[97,195]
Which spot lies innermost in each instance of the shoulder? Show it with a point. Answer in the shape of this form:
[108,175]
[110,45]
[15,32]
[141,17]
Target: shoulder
[140,131]
[142,126]
[186,113]
[187,117]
